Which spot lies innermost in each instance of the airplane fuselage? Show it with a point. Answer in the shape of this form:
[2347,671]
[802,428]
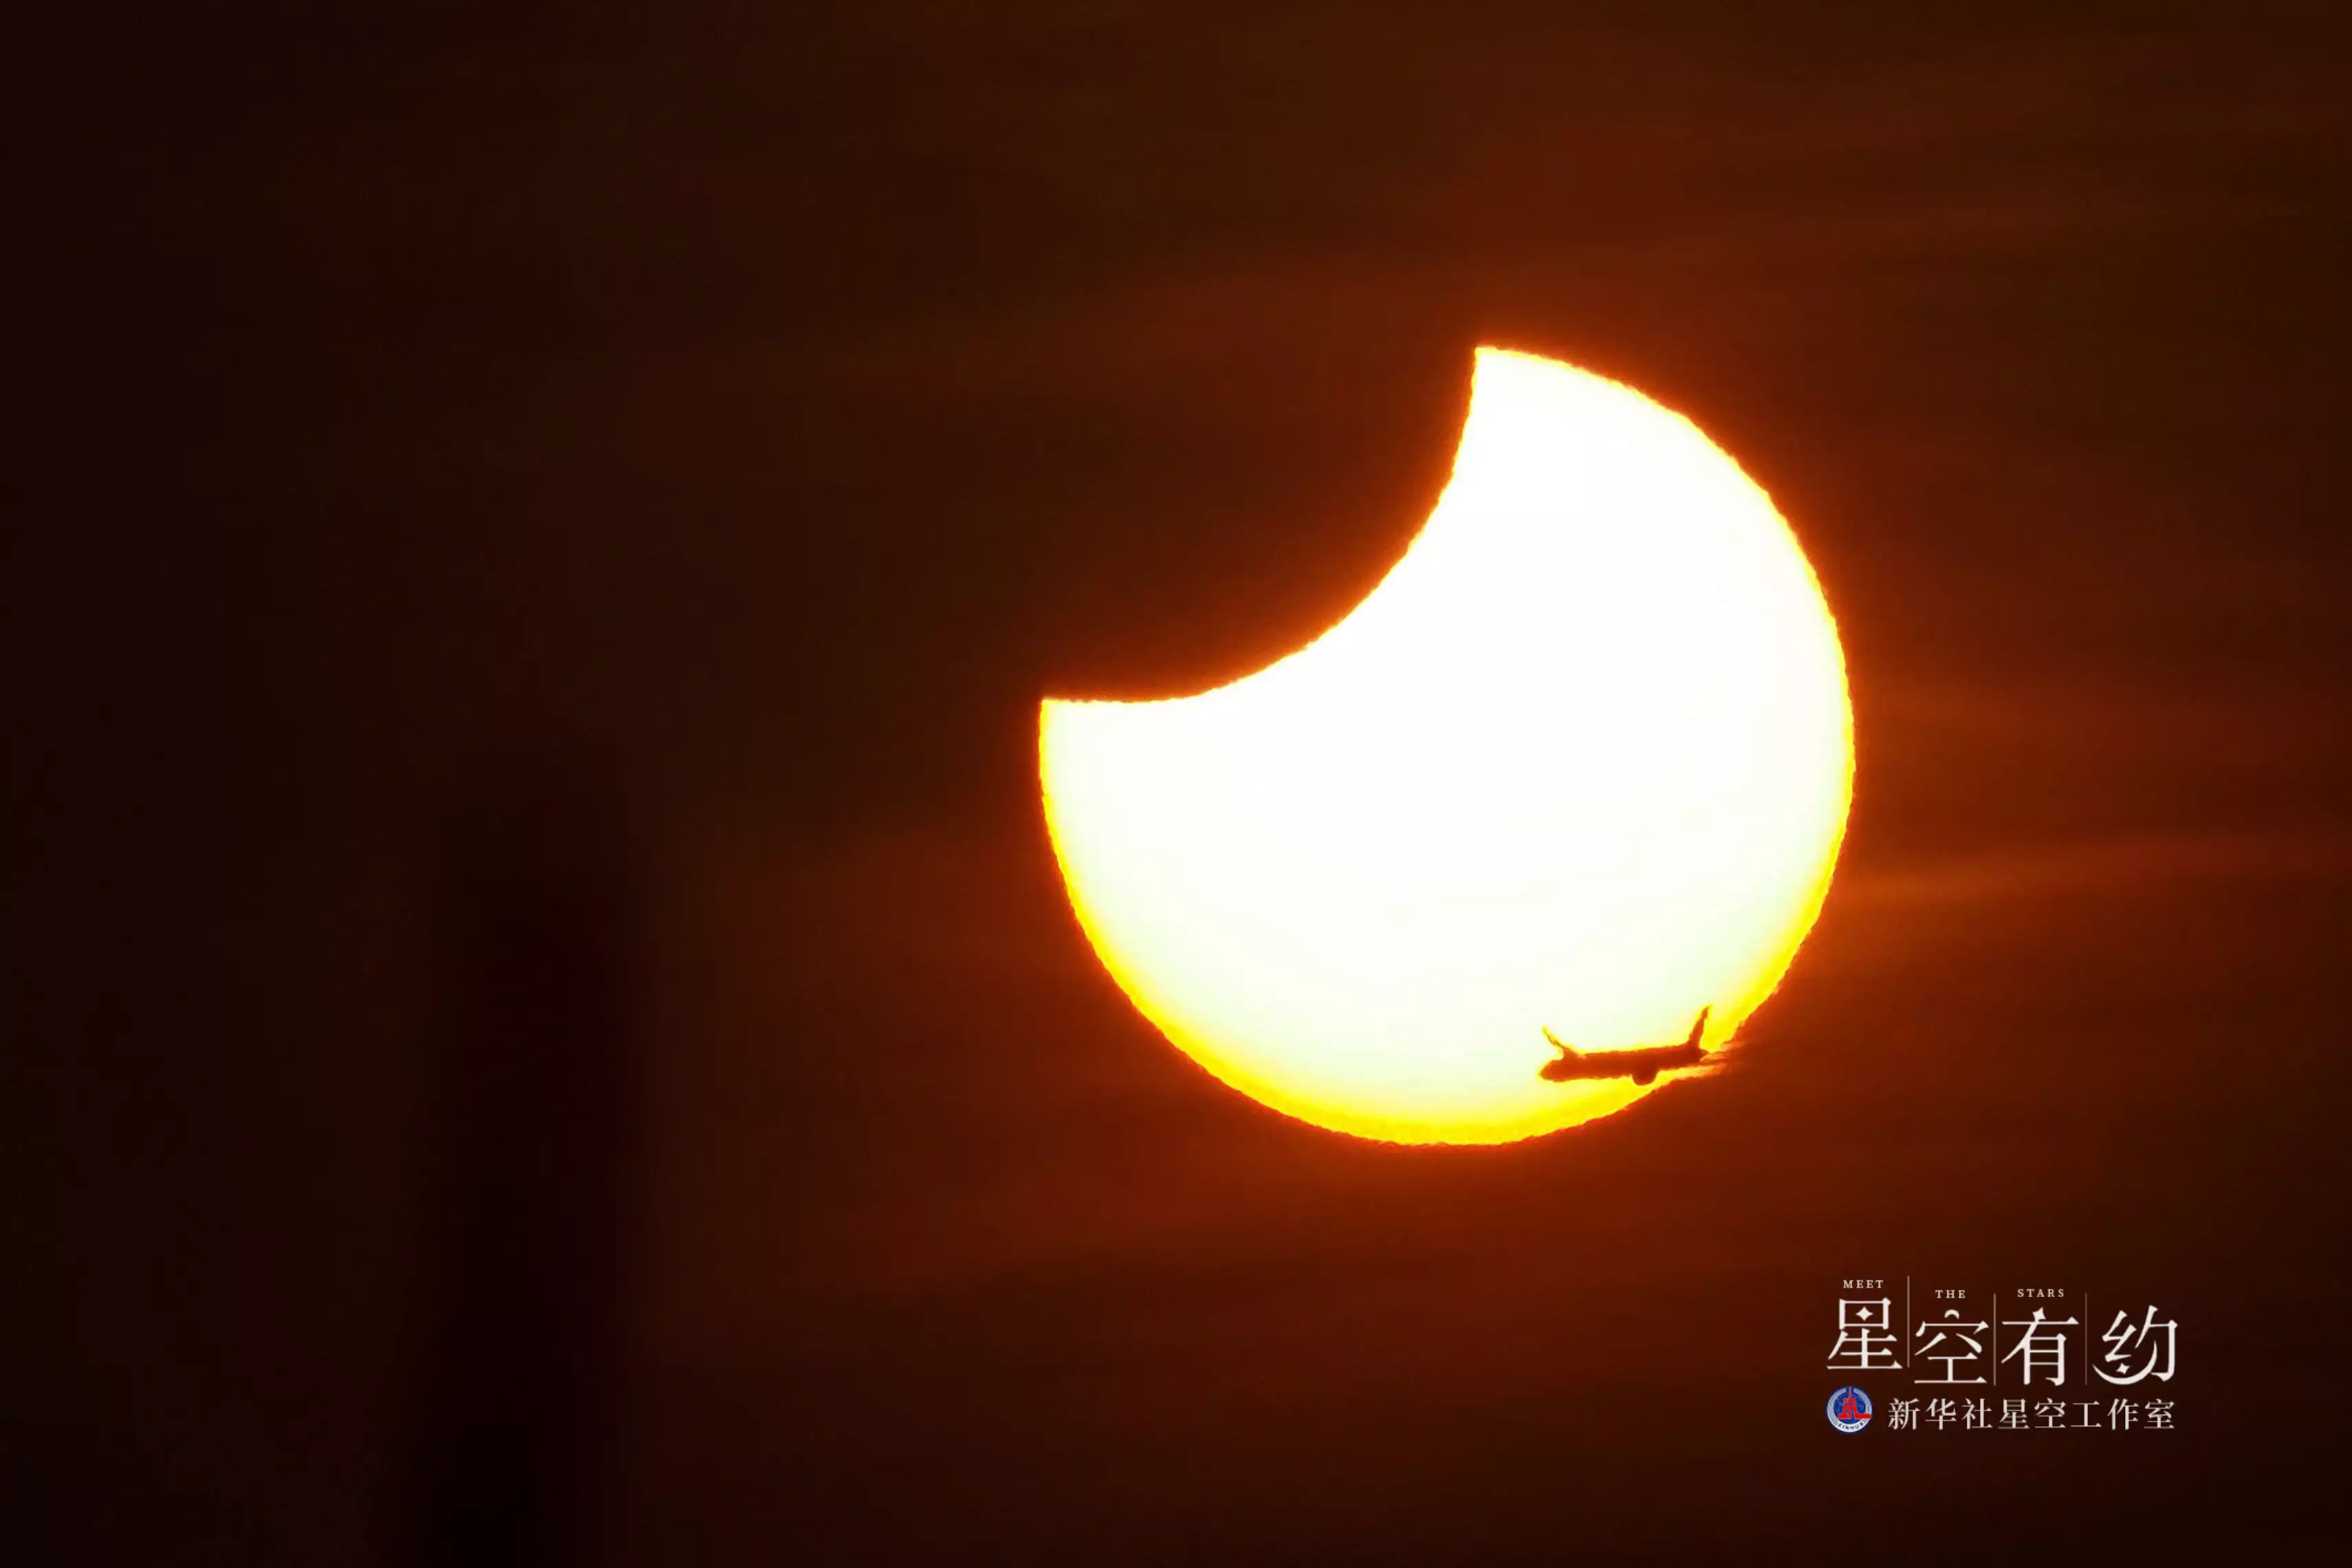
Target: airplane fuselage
[1642,1066]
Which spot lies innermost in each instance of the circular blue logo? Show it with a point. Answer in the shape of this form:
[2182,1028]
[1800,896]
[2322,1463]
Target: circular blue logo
[1849,1409]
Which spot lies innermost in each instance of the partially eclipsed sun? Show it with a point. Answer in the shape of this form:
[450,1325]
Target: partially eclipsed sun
[1582,761]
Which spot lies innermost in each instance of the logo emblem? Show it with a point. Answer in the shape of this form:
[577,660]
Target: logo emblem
[1849,1409]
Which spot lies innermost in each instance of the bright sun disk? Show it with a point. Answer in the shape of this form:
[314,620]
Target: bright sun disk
[1581,760]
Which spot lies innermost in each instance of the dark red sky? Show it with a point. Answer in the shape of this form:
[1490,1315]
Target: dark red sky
[547,1015]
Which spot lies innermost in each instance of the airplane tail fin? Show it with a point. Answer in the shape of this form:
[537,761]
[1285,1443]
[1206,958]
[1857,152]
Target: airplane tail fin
[1567,1053]
[1699,1030]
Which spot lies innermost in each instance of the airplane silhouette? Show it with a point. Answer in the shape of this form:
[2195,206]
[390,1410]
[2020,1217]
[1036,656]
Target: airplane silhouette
[1642,1064]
